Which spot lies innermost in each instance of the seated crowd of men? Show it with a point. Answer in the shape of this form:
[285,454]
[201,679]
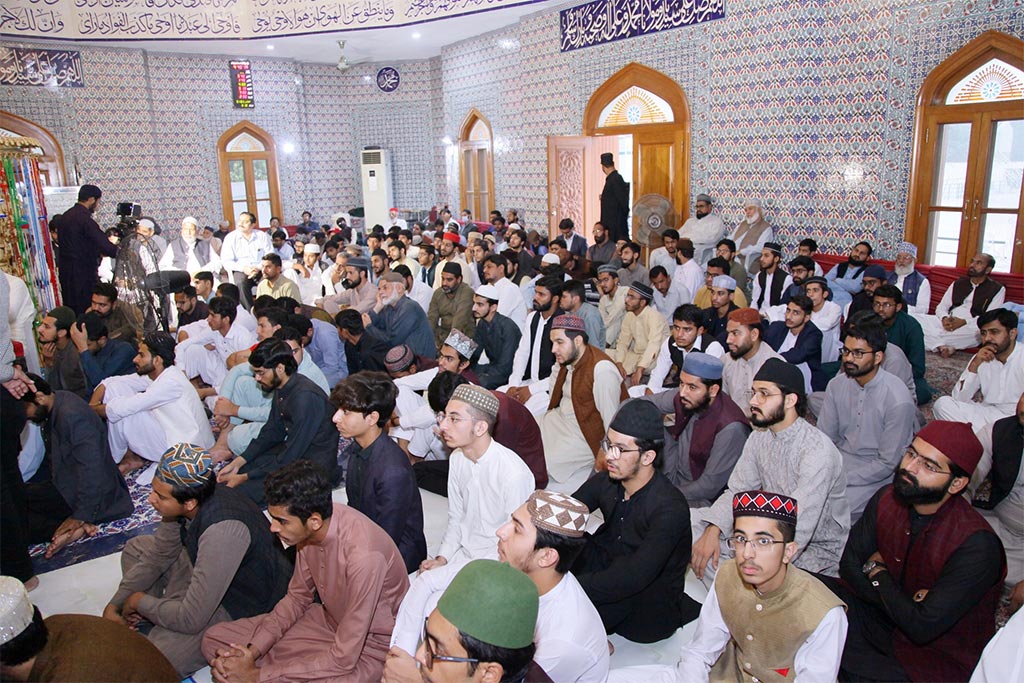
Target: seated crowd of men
[533,384]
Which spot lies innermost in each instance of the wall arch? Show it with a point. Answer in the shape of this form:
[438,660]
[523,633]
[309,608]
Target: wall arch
[51,166]
[476,165]
[248,177]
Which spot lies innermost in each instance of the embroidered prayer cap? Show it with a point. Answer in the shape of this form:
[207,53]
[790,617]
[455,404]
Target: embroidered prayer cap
[314,248]
[185,464]
[392,276]
[724,282]
[489,237]
[478,397]
[488,292]
[786,375]
[492,602]
[567,321]
[190,219]
[702,365]
[607,159]
[745,316]
[764,504]
[606,268]
[452,269]
[640,419]
[360,262]
[773,247]
[876,271]
[550,258]
[907,247]
[818,281]
[64,316]
[752,202]
[16,609]
[955,440]
[303,239]
[704,198]
[451,237]
[465,346]
[558,513]
[643,290]
[399,358]
[474,235]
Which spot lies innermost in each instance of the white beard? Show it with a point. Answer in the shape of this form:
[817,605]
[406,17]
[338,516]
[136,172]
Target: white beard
[752,219]
[904,270]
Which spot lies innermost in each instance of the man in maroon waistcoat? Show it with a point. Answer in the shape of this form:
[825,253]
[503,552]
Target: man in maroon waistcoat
[922,569]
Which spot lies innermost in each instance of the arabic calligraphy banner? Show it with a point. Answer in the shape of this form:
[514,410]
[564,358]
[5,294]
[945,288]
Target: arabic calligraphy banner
[62,68]
[212,19]
[604,21]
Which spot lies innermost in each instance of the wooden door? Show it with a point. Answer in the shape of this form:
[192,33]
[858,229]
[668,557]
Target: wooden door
[658,169]
[575,180]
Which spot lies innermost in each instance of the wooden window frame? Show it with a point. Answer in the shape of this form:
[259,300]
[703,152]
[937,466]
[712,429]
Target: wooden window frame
[466,144]
[51,165]
[269,154]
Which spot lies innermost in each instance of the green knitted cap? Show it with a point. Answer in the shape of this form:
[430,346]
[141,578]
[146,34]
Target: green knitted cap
[492,602]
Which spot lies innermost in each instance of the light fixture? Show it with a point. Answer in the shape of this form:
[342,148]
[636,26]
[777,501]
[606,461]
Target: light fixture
[270,47]
[417,35]
[368,78]
[288,148]
[446,140]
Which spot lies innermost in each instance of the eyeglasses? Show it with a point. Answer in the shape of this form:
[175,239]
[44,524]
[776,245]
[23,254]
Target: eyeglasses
[762,395]
[430,657]
[454,419]
[884,305]
[760,544]
[614,450]
[856,354]
[929,465]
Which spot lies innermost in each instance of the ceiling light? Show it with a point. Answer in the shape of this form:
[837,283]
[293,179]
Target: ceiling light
[270,47]
[417,35]
[288,148]
[368,78]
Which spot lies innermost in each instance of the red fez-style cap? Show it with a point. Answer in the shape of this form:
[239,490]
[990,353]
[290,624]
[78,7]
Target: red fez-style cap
[955,440]
[746,316]
[452,237]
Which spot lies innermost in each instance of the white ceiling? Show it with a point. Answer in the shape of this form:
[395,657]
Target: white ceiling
[411,42]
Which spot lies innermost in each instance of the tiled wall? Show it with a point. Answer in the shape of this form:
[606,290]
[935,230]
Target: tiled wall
[808,106]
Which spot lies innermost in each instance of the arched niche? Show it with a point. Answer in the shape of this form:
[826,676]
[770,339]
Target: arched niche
[476,165]
[247,168]
[51,165]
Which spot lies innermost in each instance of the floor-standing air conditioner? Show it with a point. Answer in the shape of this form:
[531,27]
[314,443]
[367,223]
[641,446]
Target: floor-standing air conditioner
[376,173]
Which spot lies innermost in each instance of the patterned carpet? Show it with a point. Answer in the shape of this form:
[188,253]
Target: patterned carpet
[941,374]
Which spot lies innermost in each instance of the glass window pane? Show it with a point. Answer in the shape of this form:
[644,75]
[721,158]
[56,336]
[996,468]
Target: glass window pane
[944,230]
[954,141]
[263,212]
[236,171]
[239,208]
[1004,175]
[998,232]
[467,164]
[261,175]
[481,168]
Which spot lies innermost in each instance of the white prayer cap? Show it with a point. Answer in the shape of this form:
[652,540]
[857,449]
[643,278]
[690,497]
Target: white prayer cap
[723,282]
[549,258]
[15,608]
[752,202]
[188,219]
[311,248]
[488,292]
[146,223]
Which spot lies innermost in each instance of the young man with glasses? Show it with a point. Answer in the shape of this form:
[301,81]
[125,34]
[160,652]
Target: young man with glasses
[922,571]
[335,621]
[486,481]
[788,622]
[784,453]
[633,568]
[868,414]
[481,630]
[905,332]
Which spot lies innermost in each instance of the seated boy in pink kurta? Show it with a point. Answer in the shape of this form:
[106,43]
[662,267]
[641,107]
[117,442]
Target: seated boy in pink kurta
[343,558]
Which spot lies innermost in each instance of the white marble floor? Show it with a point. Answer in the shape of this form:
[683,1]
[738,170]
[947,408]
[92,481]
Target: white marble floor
[85,588]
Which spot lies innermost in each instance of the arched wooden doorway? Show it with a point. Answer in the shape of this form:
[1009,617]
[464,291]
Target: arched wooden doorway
[51,165]
[966,190]
[476,165]
[652,110]
[247,166]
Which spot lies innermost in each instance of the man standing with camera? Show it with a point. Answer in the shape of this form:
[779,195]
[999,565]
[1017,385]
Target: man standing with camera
[83,244]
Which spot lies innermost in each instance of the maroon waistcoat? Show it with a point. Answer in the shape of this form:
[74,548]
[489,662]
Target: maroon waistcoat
[953,655]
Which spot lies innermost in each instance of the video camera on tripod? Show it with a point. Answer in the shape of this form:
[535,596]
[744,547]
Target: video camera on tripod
[128,215]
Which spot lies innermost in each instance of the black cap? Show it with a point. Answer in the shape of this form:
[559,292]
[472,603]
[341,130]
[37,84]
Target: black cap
[786,375]
[639,419]
[607,159]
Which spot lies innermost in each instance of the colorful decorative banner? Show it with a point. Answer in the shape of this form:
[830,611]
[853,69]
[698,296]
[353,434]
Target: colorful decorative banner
[61,68]
[604,21]
[213,19]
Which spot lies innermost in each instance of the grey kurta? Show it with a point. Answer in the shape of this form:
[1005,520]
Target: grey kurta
[801,462]
[728,447]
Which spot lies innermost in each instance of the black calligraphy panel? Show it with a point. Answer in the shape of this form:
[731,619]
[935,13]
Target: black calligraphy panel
[60,68]
[604,21]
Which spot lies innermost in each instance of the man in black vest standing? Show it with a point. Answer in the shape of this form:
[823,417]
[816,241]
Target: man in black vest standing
[82,244]
[614,201]
[211,559]
[955,323]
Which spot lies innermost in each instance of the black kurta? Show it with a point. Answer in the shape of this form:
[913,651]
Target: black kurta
[82,243]
[634,567]
[615,207]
